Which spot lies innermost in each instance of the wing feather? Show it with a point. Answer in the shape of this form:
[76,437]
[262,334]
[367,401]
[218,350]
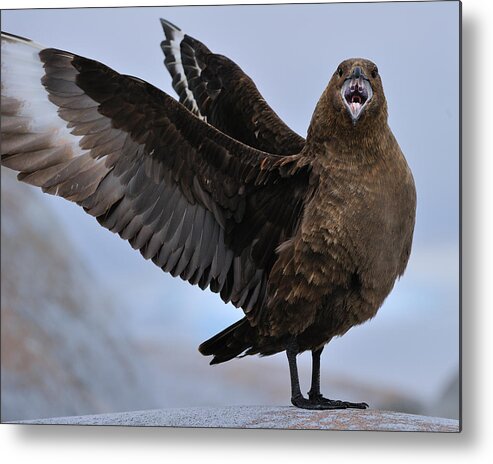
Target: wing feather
[193,200]
[218,91]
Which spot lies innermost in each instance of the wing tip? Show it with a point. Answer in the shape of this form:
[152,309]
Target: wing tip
[168,26]
[13,38]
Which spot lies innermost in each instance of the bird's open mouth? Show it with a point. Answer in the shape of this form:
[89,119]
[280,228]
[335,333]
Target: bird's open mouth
[356,93]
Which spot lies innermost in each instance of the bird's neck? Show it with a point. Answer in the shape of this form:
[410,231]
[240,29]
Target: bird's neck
[358,147]
[331,126]
[358,143]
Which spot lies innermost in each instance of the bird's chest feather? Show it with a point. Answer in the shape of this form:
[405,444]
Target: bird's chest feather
[357,231]
[352,244]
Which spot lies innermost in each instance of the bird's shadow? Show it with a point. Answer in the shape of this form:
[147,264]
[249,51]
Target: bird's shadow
[470,214]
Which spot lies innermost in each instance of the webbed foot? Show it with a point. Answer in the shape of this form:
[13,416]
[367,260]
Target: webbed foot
[318,402]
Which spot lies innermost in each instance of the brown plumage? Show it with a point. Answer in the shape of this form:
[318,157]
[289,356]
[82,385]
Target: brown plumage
[308,244]
[217,90]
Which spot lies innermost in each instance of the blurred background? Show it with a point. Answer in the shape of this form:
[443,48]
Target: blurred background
[88,326]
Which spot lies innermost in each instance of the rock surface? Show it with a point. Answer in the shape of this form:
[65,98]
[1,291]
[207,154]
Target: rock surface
[266,417]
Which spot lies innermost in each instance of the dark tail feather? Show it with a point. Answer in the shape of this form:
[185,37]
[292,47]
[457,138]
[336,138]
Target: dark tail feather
[229,343]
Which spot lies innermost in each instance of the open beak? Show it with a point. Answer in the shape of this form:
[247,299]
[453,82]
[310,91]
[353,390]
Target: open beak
[356,93]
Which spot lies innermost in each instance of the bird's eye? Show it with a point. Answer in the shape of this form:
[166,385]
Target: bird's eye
[339,71]
[374,73]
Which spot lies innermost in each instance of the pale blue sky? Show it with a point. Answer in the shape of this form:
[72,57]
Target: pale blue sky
[291,51]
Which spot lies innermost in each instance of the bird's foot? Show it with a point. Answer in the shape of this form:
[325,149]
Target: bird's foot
[318,402]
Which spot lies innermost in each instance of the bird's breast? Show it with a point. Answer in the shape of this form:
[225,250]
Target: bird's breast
[352,244]
[359,227]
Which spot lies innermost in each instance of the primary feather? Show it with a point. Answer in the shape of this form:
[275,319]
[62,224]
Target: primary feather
[194,201]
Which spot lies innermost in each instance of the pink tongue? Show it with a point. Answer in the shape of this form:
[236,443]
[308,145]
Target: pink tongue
[355,107]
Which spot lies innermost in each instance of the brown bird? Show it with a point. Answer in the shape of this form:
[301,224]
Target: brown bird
[307,237]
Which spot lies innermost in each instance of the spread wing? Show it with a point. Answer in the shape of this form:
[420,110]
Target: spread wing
[196,202]
[216,89]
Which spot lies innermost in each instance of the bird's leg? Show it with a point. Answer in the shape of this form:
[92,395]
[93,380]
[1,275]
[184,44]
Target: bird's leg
[297,399]
[292,351]
[315,399]
[314,394]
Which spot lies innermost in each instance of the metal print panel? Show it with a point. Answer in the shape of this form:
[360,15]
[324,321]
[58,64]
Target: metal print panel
[301,174]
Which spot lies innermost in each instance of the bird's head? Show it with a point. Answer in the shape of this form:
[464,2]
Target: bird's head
[353,100]
[357,90]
